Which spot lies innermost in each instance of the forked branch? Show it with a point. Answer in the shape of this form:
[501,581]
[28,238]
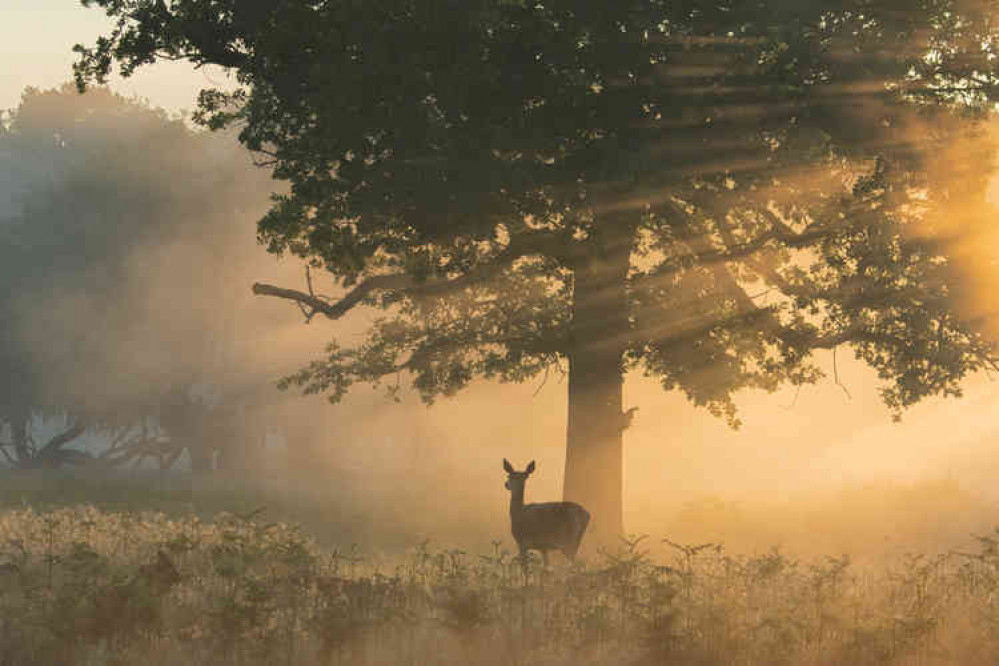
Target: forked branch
[335,310]
[551,244]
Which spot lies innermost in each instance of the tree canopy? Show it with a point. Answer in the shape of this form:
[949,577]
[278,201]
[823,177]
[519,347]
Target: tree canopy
[97,194]
[705,191]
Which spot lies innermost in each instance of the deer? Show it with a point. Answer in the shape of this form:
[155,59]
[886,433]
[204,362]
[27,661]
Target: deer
[543,527]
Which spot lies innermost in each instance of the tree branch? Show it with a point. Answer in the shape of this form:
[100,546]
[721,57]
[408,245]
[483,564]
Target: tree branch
[833,340]
[534,243]
[744,301]
[734,250]
[60,440]
[6,453]
[338,309]
[836,376]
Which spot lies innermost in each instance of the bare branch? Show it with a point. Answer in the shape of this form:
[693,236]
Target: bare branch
[60,440]
[168,461]
[836,376]
[345,304]
[794,402]
[6,454]
[544,381]
[123,437]
[308,280]
[535,243]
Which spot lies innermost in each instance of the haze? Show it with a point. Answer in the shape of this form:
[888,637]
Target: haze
[795,449]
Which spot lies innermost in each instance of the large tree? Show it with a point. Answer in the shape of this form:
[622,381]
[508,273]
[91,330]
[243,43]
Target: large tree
[708,191]
[112,219]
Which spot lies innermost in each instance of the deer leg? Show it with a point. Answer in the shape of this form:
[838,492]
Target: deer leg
[573,548]
[544,556]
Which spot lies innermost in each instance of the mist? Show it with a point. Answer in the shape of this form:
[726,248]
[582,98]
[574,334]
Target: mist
[823,468]
[810,523]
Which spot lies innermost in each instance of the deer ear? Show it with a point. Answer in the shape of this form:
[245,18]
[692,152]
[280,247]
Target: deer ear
[507,466]
[530,467]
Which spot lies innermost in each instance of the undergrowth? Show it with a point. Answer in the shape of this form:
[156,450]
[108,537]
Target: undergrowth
[84,586]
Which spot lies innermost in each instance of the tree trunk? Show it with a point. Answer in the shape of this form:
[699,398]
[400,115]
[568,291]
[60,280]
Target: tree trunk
[594,461]
[594,473]
[19,429]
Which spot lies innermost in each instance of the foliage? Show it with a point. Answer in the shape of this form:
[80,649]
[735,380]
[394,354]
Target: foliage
[97,193]
[471,163]
[239,590]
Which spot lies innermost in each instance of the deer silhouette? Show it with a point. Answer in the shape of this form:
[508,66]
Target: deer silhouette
[543,527]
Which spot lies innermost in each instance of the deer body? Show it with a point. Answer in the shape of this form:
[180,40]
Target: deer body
[547,526]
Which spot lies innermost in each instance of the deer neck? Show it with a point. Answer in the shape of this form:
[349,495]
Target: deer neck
[516,501]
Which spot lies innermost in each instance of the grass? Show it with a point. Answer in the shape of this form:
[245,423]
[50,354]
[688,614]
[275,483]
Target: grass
[334,512]
[82,585]
[872,522]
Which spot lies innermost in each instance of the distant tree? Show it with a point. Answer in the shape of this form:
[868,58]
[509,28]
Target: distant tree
[704,191]
[92,189]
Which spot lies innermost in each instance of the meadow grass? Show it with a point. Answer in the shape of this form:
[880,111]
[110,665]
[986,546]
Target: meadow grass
[78,585]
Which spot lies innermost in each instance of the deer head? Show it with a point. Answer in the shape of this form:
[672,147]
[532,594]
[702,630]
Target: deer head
[515,480]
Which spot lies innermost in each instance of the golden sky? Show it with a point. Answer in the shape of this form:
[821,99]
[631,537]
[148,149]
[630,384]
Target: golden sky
[36,42]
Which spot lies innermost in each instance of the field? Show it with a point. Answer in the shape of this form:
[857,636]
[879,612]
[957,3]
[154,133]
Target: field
[121,585]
